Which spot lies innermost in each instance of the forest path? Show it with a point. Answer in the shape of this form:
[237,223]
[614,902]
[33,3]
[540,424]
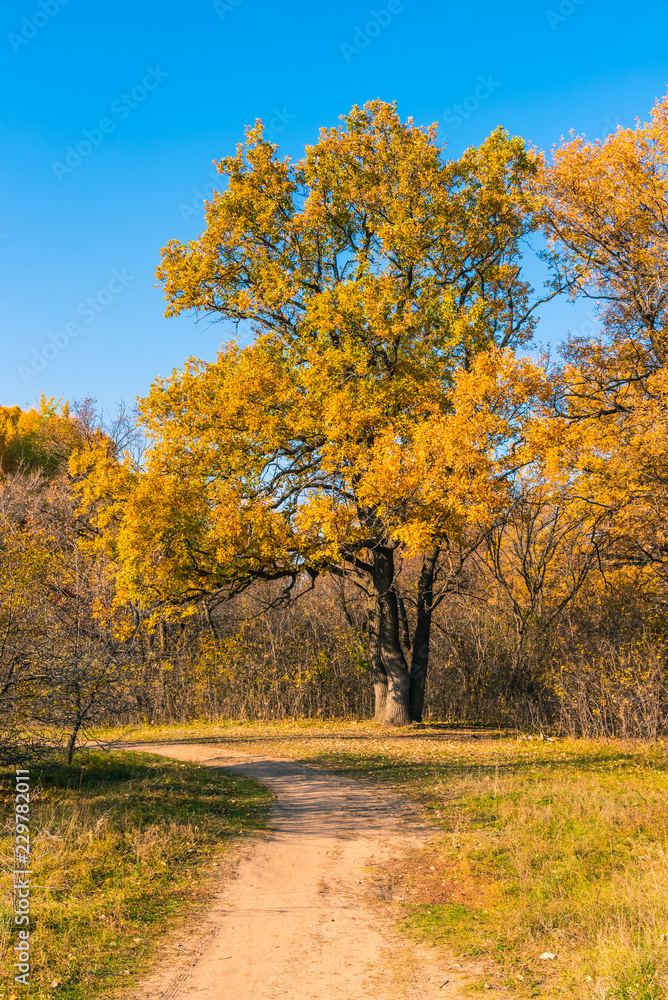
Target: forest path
[304,916]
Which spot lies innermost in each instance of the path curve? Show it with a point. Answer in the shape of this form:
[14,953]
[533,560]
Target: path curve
[302,917]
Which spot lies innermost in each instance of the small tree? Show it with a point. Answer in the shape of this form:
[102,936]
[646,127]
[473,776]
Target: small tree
[65,647]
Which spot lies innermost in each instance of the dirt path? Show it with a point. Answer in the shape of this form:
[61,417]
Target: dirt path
[302,917]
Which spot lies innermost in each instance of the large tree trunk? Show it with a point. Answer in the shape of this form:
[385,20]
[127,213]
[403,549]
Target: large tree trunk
[380,695]
[397,708]
[377,668]
[420,657]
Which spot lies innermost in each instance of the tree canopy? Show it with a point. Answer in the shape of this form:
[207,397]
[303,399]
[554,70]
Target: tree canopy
[379,409]
[605,211]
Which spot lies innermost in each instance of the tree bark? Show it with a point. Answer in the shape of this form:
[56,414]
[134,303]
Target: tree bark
[421,639]
[377,668]
[397,707]
[209,619]
[380,696]
[72,742]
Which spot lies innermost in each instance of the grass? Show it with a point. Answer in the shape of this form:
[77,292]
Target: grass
[544,847]
[123,844]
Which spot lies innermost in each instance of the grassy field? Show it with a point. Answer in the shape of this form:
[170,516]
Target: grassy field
[123,845]
[545,847]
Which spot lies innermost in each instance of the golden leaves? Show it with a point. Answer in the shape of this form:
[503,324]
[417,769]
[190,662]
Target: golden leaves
[604,211]
[374,272]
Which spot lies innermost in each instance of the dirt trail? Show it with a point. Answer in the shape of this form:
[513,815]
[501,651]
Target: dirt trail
[302,917]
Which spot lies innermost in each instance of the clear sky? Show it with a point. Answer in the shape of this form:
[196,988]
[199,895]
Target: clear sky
[113,113]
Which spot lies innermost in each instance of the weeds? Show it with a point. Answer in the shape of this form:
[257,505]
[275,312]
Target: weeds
[122,848]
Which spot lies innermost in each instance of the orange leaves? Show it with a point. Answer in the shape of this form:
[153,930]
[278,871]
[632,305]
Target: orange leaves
[603,207]
[372,231]
[260,466]
[604,211]
[374,272]
[456,469]
[41,438]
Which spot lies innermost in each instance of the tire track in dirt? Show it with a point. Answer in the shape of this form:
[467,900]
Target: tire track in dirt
[299,918]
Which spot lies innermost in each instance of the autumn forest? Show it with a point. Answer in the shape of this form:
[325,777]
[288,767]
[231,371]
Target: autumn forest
[384,499]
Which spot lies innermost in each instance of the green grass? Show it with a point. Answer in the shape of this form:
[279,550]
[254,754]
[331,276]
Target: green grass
[556,847]
[123,844]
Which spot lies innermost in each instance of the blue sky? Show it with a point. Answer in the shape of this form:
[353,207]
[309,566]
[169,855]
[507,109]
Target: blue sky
[151,93]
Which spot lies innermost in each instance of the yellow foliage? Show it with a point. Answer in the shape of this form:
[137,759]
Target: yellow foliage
[380,400]
[604,210]
[39,438]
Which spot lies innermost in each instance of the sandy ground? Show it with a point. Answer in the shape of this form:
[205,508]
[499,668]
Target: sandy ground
[303,914]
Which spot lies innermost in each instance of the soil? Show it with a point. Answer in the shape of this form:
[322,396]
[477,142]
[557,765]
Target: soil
[306,913]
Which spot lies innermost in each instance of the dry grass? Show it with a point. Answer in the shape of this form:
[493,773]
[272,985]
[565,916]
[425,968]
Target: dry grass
[121,846]
[547,846]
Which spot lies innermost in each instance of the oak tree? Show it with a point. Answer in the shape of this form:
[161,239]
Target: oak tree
[379,408]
